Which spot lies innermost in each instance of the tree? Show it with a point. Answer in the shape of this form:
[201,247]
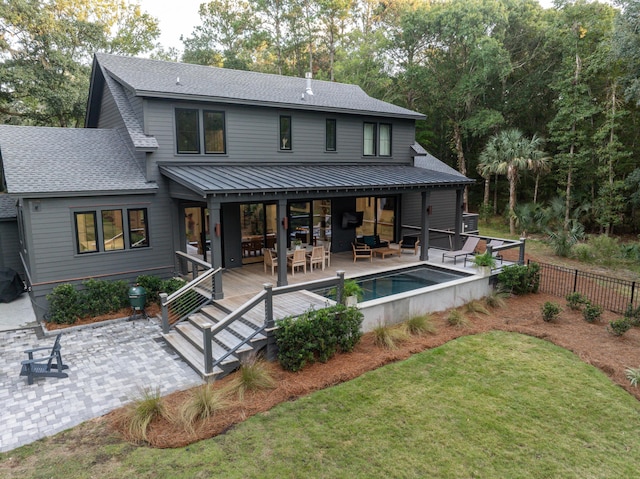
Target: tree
[509,152]
[225,36]
[580,32]
[46,49]
[463,59]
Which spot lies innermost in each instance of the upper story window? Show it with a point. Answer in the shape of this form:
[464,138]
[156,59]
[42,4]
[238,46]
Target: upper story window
[369,142]
[376,139]
[285,133]
[330,135]
[214,141]
[189,132]
[385,139]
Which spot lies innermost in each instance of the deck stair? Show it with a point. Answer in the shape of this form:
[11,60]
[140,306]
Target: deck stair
[187,339]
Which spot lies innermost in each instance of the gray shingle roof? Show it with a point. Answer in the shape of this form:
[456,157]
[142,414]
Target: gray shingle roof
[53,161]
[430,162]
[7,206]
[215,179]
[160,78]
[138,137]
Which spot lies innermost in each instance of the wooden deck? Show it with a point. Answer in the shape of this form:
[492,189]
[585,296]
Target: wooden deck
[249,279]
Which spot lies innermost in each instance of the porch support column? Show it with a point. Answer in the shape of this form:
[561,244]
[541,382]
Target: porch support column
[457,244]
[215,239]
[281,241]
[424,237]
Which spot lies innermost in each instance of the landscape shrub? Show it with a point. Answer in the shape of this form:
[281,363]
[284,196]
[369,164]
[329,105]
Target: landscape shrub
[388,337]
[419,325]
[101,297]
[153,287]
[141,412]
[317,335]
[633,375]
[65,306]
[619,326]
[203,402]
[520,279]
[457,318]
[575,301]
[606,249]
[583,252]
[550,311]
[97,297]
[592,313]
[633,314]
[254,374]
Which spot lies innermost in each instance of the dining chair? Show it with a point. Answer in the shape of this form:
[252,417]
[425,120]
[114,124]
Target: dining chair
[327,253]
[269,261]
[297,260]
[316,257]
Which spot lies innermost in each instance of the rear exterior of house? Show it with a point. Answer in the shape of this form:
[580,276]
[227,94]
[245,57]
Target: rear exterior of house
[215,162]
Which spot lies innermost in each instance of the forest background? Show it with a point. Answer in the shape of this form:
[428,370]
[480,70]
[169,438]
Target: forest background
[539,104]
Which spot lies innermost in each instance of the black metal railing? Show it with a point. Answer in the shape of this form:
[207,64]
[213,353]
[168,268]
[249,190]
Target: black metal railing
[613,294]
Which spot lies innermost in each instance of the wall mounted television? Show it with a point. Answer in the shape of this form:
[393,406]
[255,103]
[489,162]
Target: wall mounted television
[352,219]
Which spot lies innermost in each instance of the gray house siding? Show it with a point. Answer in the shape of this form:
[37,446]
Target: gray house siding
[109,115]
[52,241]
[10,245]
[442,202]
[252,135]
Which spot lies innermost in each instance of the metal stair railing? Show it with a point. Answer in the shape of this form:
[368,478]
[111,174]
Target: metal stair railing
[269,323]
[189,299]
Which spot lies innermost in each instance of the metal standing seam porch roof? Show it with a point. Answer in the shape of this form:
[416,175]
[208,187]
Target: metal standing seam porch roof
[218,180]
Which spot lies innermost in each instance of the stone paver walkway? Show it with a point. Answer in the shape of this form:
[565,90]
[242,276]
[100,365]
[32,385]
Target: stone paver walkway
[108,367]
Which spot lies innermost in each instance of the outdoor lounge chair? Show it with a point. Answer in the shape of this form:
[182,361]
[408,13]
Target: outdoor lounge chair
[361,251]
[44,367]
[468,248]
[493,244]
[410,244]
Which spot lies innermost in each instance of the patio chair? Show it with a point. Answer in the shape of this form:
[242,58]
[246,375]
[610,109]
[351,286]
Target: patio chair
[327,253]
[361,251]
[468,248]
[316,257]
[409,244]
[494,243]
[269,261]
[44,366]
[297,260]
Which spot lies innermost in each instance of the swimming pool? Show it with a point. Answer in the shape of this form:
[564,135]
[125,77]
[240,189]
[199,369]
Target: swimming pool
[380,285]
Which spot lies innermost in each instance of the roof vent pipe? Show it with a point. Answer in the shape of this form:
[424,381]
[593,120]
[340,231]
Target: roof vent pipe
[308,76]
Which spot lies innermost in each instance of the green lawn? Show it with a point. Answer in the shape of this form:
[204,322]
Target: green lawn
[496,405]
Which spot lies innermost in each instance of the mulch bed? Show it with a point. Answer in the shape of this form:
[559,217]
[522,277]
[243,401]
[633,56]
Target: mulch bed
[591,342]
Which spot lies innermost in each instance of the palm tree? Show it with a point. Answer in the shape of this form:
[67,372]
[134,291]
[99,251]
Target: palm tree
[509,152]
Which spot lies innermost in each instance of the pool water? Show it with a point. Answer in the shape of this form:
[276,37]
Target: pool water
[400,281]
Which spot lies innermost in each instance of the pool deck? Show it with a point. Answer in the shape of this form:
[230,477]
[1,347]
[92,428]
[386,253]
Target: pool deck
[251,277]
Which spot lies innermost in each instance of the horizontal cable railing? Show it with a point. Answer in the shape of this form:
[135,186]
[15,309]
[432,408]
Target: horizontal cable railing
[188,299]
[613,294]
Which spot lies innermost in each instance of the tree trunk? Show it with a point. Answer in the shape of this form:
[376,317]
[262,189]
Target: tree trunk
[535,189]
[487,185]
[567,204]
[512,175]
[495,195]
[462,165]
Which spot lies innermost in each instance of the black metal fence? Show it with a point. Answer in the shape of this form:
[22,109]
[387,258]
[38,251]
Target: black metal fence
[612,294]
